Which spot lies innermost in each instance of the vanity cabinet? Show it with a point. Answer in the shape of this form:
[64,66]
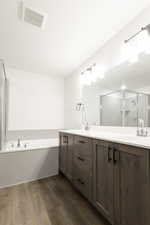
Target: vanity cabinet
[121,183]
[115,178]
[65,155]
[82,165]
[132,186]
[103,182]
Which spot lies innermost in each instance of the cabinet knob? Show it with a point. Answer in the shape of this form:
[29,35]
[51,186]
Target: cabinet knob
[80,181]
[82,142]
[65,139]
[81,159]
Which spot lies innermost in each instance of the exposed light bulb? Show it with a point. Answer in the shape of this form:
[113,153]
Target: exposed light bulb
[129,53]
[82,79]
[123,87]
[98,72]
[144,42]
[92,74]
[86,78]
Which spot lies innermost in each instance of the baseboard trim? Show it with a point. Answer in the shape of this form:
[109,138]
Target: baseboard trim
[28,181]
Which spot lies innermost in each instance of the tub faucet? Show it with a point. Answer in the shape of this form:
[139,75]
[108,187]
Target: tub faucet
[18,143]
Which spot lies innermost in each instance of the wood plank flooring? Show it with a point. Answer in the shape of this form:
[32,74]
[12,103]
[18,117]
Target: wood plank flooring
[51,201]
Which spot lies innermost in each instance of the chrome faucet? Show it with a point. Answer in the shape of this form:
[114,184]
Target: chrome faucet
[141,130]
[80,107]
[18,143]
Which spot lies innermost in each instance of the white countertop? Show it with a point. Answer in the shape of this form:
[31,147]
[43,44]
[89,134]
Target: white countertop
[121,138]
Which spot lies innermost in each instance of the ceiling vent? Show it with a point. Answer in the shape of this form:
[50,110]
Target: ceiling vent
[33,17]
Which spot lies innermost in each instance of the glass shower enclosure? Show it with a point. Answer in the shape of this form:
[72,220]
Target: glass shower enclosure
[124,108]
[3,105]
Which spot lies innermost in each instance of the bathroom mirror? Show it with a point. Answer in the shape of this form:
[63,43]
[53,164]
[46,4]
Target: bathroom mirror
[122,97]
[126,108]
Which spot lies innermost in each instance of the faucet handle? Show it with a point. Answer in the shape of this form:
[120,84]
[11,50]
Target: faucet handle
[141,122]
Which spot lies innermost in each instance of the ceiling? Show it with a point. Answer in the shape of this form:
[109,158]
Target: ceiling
[74,30]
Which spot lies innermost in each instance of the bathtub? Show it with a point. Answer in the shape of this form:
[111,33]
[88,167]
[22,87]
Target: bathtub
[32,160]
[35,144]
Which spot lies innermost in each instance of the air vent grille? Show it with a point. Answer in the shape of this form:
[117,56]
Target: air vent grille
[34,17]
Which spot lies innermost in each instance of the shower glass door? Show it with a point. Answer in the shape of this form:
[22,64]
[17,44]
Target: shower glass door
[3,106]
[130,109]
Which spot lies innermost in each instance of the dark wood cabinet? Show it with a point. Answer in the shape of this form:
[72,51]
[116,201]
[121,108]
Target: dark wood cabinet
[132,171]
[82,165]
[103,189]
[83,146]
[115,178]
[65,156]
[63,153]
[121,183]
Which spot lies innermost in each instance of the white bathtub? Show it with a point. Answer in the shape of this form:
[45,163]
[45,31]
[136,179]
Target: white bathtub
[35,144]
[34,159]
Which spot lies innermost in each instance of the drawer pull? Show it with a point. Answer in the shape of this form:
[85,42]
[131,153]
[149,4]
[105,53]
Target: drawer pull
[80,181]
[82,142]
[81,159]
[115,156]
[65,139]
[109,155]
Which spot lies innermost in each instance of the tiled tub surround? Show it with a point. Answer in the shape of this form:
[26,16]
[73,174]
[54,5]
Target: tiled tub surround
[122,135]
[31,134]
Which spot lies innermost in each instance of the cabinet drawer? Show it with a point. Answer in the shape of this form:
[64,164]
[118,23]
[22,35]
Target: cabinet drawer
[83,163]
[83,146]
[82,181]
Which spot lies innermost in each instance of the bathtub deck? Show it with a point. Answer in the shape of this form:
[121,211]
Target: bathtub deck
[51,201]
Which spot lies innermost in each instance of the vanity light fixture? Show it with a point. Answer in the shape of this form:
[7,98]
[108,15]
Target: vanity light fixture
[137,43]
[146,28]
[91,74]
[86,78]
[98,72]
[129,53]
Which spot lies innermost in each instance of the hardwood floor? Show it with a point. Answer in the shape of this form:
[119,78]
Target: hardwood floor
[51,201]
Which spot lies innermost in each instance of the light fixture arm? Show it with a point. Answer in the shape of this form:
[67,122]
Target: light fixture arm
[88,69]
[136,34]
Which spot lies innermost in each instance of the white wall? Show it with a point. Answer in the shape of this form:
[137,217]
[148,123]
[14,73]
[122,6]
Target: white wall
[36,101]
[72,97]
[91,100]
[108,57]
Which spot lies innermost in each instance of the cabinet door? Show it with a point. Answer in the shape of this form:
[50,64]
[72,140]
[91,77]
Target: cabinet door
[69,156]
[63,153]
[134,184]
[103,179]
